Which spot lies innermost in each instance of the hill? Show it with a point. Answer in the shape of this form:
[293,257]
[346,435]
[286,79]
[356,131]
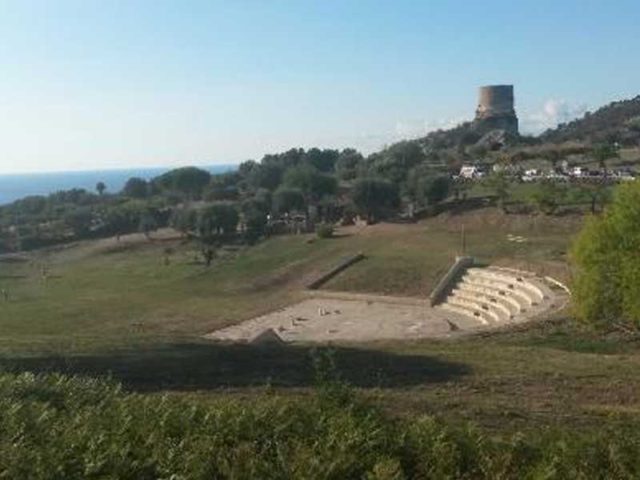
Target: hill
[618,122]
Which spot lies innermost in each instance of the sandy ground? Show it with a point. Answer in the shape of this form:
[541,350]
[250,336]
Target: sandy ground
[359,318]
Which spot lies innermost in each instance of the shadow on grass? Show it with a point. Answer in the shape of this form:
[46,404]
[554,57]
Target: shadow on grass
[584,344]
[202,366]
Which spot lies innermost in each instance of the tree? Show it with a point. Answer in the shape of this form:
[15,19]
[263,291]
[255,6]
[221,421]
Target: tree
[136,188]
[322,160]
[79,221]
[548,196]
[603,152]
[595,193]
[266,176]
[313,184]
[499,183]
[100,188]
[426,188]
[394,162]
[223,186]
[255,225]
[189,181]
[286,200]
[553,156]
[216,220]
[184,220]
[148,223]
[606,264]
[118,221]
[348,164]
[374,198]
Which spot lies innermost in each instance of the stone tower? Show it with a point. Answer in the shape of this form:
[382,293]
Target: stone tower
[495,109]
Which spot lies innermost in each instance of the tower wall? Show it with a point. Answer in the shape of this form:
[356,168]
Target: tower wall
[496,109]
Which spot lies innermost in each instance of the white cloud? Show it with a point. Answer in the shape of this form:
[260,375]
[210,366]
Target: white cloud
[552,113]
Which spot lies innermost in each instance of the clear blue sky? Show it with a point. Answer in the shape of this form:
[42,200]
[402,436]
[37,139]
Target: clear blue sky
[90,84]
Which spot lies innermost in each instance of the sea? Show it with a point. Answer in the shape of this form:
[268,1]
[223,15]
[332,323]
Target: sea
[19,185]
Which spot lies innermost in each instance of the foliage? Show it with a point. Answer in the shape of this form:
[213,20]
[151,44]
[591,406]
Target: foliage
[349,164]
[100,188]
[189,181]
[324,230]
[79,221]
[609,124]
[596,194]
[287,200]
[255,225]
[136,188]
[603,152]
[76,428]
[427,187]
[548,196]
[322,160]
[184,220]
[374,198]
[223,186]
[500,184]
[607,264]
[394,162]
[215,220]
[312,183]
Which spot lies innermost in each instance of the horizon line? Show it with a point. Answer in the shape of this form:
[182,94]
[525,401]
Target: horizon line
[116,169]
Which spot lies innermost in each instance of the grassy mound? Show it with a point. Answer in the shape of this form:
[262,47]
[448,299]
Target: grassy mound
[53,426]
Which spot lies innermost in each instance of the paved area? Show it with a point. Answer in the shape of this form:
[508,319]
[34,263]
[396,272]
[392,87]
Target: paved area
[351,318]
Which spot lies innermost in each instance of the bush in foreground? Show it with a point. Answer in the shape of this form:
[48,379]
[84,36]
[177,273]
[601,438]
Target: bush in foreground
[54,426]
[606,261]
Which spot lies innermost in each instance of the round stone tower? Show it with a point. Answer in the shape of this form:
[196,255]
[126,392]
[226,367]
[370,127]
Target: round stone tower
[495,109]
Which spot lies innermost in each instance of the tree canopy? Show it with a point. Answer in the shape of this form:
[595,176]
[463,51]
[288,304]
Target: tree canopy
[374,197]
[189,181]
[606,262]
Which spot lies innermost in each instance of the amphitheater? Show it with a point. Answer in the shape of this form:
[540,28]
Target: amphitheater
[470,299]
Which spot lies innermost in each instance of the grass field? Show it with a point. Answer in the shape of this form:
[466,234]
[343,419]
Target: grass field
[118,309]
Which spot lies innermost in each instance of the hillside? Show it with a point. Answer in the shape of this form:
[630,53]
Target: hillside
[617,122]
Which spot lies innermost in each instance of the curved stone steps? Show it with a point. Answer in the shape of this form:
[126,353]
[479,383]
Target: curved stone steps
[503,285]
[493,302]
[523,297]
[495,296]
[512,281]
[478,309]
[464,311]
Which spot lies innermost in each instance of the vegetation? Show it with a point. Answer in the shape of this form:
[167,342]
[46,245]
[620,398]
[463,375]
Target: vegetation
[374,198]
[85,429]
[607,266]
[614,123]
[551,400]
[325,186]
[325,231]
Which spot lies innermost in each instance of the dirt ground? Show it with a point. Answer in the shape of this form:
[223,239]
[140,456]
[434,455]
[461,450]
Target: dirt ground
[327,317]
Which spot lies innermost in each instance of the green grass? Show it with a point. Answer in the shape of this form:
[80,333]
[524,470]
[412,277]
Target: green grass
[123,312]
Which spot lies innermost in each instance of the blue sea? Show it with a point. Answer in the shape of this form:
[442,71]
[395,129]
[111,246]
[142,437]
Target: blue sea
[15,186]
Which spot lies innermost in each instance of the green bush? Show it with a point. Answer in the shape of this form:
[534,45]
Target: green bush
[324,230]
[606,262]
[69,428]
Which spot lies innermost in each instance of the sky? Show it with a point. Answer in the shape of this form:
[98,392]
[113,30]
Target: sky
[88,84]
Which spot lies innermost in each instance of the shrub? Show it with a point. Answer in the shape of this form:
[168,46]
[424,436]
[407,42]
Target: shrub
[55,426]
[324,230]
[607,264]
